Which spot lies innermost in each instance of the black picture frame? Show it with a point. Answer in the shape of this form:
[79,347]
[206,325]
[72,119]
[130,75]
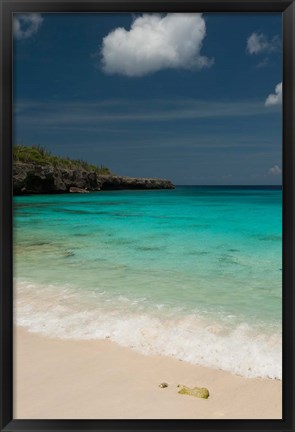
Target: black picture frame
[287,8]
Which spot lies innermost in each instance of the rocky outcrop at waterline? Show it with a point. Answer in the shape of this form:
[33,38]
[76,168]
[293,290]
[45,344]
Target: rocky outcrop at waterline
[31,178]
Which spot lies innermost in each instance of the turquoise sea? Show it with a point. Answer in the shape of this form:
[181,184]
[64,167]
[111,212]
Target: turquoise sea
[194,273]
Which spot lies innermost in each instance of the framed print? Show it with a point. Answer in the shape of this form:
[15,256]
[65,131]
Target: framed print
[147,215]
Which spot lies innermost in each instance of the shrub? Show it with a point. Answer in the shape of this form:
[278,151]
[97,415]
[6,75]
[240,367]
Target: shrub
[39,155]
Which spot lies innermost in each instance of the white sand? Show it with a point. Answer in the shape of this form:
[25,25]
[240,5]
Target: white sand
[57,379]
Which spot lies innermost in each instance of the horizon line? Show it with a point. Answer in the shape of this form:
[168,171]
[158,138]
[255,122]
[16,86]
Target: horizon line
[230,185]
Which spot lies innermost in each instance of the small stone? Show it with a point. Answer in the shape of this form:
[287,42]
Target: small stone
[199,392]
[74,189]
[163,385]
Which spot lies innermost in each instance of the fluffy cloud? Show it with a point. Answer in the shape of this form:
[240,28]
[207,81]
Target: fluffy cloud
[25,25]
[275,170]
[156,42]
[276,98]
[258,43]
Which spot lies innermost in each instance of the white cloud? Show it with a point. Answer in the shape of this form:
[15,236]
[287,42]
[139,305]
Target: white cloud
[259,43]
[25,25]
[256,43]
[156,42]
[276,98]
[275,170]
[263,63]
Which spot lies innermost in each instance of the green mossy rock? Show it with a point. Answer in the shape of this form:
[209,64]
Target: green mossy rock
[199,392]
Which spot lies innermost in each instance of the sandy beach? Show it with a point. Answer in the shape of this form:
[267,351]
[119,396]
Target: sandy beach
[65,379]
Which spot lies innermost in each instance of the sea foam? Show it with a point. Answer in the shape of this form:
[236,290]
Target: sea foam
[67,313]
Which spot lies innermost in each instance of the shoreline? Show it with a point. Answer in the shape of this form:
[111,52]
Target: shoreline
[98,379]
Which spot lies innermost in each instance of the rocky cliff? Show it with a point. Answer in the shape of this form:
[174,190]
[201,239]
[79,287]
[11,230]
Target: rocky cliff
[31,178]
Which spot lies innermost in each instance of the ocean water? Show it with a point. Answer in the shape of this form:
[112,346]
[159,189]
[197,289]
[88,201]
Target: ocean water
[194,273]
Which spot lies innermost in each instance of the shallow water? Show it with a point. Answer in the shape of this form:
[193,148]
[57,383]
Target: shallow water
[194,272]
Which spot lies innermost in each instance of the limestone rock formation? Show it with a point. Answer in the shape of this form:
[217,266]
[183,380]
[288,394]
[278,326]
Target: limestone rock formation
[29,178]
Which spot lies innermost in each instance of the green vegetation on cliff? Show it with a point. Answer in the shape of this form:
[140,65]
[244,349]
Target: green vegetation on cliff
[41,156]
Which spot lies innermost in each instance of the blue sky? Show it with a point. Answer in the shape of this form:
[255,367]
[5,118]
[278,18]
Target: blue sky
[192,98]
